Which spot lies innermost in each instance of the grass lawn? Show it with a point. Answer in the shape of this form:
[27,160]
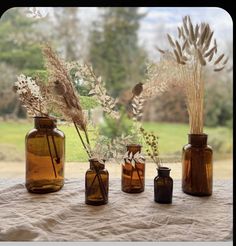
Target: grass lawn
[172,137]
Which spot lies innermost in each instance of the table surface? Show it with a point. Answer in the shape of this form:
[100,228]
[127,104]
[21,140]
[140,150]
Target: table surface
[63,215]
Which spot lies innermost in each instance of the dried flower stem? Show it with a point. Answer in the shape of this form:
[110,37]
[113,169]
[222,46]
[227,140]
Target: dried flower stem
[81,139]
[50,152]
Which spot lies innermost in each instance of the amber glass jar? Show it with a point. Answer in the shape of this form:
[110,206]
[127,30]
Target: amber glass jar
[96,183]
[197,167]
[45,156]
[163,186]
[133,170]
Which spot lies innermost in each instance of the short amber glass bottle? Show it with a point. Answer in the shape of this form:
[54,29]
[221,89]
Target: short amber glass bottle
[133,170]
[96,183]
[163,186]
[45,156]
[197,168]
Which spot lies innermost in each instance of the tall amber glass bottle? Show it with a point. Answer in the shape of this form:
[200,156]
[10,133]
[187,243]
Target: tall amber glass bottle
[133,170]
[45,156]
[197,169]
[96,183]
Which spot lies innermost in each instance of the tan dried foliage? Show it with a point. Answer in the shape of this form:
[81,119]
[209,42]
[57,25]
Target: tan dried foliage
[198,50]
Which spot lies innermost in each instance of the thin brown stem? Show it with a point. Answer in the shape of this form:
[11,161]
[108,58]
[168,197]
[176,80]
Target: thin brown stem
[86,135]
[50,152]
[138,175]
[131,178]
[55,149]
[34,108]
[102,188]
[81,139]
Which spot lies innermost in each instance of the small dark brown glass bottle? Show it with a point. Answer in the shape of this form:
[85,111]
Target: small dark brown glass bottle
[133,170]
[163,186]
[45,156]
[197,167]
[96,183]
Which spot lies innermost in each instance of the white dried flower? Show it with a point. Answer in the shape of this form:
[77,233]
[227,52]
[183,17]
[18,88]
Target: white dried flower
[29,94]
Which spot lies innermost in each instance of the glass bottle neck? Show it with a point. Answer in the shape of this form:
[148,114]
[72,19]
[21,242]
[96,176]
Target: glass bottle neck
[134,148]
[44,123]
[95,164]
[197,140]
[163,171]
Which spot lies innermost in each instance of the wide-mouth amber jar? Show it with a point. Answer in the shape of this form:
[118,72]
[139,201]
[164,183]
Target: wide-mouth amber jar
[197,166]
[133,170]
[45,156]
[96,183]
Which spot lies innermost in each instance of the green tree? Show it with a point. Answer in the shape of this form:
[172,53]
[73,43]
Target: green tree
[67,32]
[19,53]
[114,50]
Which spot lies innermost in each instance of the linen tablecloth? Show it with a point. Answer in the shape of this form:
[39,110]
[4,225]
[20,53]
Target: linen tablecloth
[63,215]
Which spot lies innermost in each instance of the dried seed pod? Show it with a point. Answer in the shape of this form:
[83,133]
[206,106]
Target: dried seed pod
[215,44]
[192,36]
[184,45]
[160,50]
[196,31]
[185,28]
[177,56]
[209,52]
[184,58]
[182,32]
[179,32]
[170,41]
[178,48]
[202,27]
[208,41]
[211,56]
[219,59]
[59,88]
[226,60]
[204,35]
[201,59]
[218,69]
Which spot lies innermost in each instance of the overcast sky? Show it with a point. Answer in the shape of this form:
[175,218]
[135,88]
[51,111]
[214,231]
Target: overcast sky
[161,20]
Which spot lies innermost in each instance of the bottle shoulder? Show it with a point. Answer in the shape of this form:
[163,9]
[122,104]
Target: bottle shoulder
[36,132]
[101,171]
[31,133]
[59,132]
[162,178]
[189,147]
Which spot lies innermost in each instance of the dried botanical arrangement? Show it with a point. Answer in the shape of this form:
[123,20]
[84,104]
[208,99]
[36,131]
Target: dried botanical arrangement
[32,96]
[137,107]
[63,95]
[192,50]
[160,76]
[152,150]
[66,100]
[109,105]
[85,72]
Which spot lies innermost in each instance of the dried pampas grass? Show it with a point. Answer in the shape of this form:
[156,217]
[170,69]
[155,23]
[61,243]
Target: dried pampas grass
[63,94]
[193,50]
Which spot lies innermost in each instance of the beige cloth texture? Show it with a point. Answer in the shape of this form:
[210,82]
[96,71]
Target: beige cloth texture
[64,216]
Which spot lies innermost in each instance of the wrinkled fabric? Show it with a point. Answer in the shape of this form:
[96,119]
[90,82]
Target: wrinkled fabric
[64,216]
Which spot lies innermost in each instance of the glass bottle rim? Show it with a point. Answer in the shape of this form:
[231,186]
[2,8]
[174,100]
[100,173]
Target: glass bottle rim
[163,168]
[197,134]
[134,145]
